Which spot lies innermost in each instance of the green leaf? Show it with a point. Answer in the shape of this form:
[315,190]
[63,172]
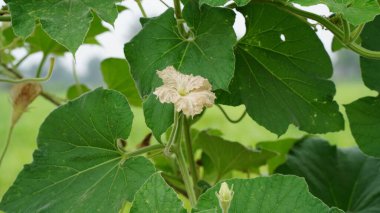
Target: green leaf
[208,52]
[156,196]
[67,22]
[354,11]
[364,117]
[227,156]
[273,194]
[77,167]
[345,178]
[336,45]
[280,147]
[281,74]
[216,3]
[158,117]
[370,68]
[75,91]
[40,41]
[117,76]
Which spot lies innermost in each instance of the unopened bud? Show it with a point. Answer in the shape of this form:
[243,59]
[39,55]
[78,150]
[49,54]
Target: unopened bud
[22,96]
[225,196]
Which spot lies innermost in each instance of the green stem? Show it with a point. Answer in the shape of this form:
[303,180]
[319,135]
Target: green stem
[5,18]
[21,60]
[184,171]
[178,15]
[174,182]
[141,8]
[356,33]
[22,80]
[346,30]
[76,79]
[229,118]
[190,154]
[7,143]
[173,134]
[143,150]
[39,69]
[330,26]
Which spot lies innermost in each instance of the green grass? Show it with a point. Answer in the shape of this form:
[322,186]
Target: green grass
[247,132]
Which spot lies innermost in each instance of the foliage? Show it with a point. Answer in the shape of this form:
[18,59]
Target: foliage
[279,70]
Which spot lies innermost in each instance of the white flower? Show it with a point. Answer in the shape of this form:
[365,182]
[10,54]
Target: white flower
[189,94]
[225,196]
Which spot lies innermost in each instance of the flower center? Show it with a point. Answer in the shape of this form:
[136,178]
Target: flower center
[182,92]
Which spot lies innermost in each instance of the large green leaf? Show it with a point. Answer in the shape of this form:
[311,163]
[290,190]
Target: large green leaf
[227,156]
[280,147]
[67,22]
[364,117]
[273,194]
[208,52]
[156,196]
[354,11]
[345,178]
[223,2]
[77,167]
[117,76]
[158,117]
[281,74]
[371,68]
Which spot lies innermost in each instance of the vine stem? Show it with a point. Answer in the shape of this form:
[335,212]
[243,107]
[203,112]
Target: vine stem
[141,8]
[5,18]
[39,69]
[14,74]
[143,150]
[347,31]
[229,118]
[22,80]
[356,33]
[178,15]
[8,141]
[190,154]
[330,26]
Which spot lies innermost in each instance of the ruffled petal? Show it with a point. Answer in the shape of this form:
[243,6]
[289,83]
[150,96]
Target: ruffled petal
[170,76]
[166,94]
[193,103]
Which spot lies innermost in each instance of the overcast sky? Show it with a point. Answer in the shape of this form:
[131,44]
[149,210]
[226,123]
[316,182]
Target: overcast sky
[126,27]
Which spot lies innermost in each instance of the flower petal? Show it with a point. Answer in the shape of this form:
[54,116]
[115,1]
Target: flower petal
[166,94]
[193,103]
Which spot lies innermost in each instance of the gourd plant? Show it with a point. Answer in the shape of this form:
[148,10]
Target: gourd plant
[182,61]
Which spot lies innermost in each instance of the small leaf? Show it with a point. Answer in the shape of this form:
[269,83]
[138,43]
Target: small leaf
[117,76]
[354,11]
[370,67]
[227,156]
[282,72]
[156,196]
[345,178]
[158,116]
[67,22]
[280,147]
[273,194]
[364,117]
[75,91]
[77,167]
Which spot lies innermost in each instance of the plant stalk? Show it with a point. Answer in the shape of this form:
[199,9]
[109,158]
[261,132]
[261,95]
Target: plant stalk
[190,154]
[141,8]
[8,141]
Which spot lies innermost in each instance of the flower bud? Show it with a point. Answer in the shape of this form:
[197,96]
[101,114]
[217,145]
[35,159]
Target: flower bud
[225,196]
[22,95]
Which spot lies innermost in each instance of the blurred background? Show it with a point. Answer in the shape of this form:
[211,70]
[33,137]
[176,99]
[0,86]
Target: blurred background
[88,57]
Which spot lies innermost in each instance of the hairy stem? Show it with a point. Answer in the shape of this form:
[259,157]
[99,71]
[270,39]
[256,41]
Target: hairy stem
[347,31]
[5,18]
[141,8]
[22,80]
[190,154]
[330,26]
[39,69]
[229,118]
[173,134]
[178,15]
[8,141]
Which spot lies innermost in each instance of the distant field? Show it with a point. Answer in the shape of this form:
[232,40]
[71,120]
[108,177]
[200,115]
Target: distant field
[247,132]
